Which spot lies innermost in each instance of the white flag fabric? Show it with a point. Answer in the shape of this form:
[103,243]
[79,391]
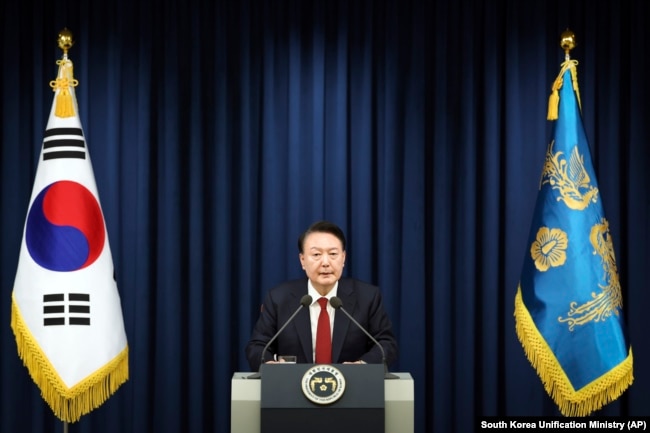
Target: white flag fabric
[66,311]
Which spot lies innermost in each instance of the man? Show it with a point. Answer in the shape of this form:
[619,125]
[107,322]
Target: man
[322,256]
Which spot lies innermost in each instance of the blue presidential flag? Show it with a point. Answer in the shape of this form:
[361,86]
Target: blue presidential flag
[66,313]
[569,306]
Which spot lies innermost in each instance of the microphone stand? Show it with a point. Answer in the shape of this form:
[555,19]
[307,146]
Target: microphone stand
[338,305]
[304,302]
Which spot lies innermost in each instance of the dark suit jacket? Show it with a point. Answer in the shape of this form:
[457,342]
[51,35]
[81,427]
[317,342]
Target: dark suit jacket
[349,343]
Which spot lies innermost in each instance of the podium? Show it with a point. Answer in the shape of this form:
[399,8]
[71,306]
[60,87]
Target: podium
[287,399]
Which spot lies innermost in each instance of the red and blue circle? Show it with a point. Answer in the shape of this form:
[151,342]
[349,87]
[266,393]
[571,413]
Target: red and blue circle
[65,227]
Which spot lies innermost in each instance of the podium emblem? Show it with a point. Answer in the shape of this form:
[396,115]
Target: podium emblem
[323,384]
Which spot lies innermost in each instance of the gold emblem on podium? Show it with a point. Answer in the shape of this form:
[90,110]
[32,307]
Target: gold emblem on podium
[323,384]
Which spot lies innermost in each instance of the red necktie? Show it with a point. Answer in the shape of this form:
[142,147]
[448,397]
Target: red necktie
[323,335]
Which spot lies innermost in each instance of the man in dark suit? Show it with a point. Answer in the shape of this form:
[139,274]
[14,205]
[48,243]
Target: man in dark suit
[322,256]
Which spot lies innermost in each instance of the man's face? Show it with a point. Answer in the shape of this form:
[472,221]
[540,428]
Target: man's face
[323,259]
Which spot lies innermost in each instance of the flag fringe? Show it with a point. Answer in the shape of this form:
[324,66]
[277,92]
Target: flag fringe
[591,397]
[68,404]
[554,98]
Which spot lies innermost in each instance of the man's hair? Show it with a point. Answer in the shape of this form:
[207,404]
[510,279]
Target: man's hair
[321,227]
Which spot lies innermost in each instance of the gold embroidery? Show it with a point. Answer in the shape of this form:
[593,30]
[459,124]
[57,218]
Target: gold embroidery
[610,300]
[570,179]
[549,248]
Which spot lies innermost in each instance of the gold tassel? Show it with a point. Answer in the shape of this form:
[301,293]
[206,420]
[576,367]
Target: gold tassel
[554,99]
[570,402]
[68,404]
[553,102]
[65,106]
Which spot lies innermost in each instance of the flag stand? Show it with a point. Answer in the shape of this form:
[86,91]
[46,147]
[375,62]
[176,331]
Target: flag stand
[65,427]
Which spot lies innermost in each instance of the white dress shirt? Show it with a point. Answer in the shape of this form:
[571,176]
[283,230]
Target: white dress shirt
[314,312]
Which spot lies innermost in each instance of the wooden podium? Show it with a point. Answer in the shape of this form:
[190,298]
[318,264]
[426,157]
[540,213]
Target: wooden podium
[283,400]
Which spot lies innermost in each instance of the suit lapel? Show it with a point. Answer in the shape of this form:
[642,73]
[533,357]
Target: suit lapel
[348,298]
[303,328]
[302,321]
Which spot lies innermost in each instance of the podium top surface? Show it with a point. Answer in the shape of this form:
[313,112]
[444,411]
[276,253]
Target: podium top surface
[243,375]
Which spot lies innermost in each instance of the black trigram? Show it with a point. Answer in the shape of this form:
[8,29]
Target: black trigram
[64,143]
[54,309]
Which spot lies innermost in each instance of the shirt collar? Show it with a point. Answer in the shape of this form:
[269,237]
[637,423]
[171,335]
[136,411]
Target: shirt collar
[315,295]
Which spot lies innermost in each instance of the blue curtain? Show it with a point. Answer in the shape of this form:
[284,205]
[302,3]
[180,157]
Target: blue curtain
[219,130]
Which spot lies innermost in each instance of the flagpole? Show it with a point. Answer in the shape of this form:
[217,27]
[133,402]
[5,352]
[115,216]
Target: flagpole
[65,42]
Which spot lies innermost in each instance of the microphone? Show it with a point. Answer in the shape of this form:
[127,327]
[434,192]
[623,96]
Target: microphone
[337,304]
[305,301]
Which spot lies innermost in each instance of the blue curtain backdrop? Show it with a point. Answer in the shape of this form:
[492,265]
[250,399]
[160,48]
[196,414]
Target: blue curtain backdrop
[219,130]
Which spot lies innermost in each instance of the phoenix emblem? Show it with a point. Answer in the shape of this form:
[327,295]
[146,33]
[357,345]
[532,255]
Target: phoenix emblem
[569,178]
[602,305]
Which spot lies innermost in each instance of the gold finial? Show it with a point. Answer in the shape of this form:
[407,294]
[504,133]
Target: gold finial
[567,41]
[65,81]
[65,40]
